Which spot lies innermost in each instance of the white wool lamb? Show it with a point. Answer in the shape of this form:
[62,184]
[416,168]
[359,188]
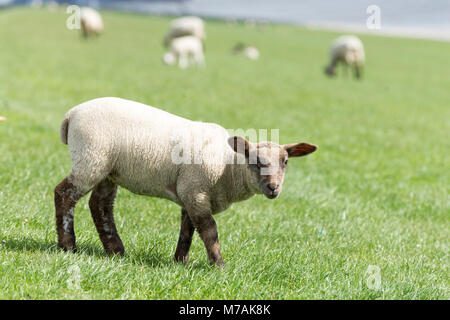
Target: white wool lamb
[188,50]
[115,142]
[348,50]
[249,52]
[91,22]
[185,26]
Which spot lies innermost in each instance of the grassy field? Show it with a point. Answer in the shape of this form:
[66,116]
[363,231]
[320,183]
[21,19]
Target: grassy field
[374,197]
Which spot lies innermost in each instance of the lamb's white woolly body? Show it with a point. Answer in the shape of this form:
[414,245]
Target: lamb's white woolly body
[186,26]
[348,49]
[188,50]
[91,21]
[133,145]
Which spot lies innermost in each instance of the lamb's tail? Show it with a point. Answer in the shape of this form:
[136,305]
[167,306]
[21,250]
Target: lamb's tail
[65,128]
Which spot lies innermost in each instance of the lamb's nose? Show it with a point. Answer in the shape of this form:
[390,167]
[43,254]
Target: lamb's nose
[272,186]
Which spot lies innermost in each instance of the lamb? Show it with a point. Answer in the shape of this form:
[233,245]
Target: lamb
[91,22]
[188,50]
[185,26]
[350,51]
[2,118]
[249,52]
[115,142]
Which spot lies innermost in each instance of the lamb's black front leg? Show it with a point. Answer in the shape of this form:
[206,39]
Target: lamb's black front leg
[207,229]
[185,239]
[199,214]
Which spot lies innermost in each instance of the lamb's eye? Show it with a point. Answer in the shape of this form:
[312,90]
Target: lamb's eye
[259,164]
[285,162]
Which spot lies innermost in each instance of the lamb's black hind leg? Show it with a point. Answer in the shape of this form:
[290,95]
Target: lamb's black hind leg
[101,204]
[66,197]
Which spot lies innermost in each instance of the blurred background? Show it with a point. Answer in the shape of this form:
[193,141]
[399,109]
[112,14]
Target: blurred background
[374,197]
[402,17]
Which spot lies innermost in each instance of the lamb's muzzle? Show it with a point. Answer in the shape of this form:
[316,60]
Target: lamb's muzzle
[115,142]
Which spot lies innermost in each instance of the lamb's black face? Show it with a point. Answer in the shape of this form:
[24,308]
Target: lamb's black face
[267,162]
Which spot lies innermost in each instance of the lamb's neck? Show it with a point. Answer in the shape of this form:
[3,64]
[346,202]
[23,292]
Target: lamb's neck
[238,186]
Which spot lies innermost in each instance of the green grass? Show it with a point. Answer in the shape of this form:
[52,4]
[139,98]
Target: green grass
[376,193]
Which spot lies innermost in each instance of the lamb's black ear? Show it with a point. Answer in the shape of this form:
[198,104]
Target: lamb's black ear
[300,149]
[239,145]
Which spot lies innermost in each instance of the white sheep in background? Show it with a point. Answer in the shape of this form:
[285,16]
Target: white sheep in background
[185,26]
[252,53]
[115,142]
[348,50]
[249,52]
[188,50]
[2,118]
[91,22]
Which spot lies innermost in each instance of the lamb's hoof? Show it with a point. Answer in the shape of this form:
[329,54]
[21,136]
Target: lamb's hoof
[115,248]
[68,246]
[116,251]
[218,263]
[181,258]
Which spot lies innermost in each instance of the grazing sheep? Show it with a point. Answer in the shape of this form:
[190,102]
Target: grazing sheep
[188,50]
[350,51]
[248,51]
[91,22]
[252,53]
[115,142]
[2,118]
[185,26]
